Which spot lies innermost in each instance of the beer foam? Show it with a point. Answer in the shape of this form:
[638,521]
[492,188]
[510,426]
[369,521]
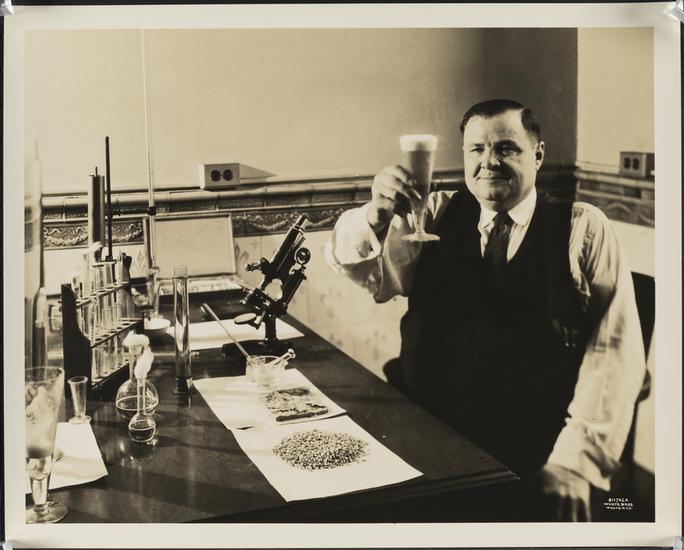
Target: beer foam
[418,142]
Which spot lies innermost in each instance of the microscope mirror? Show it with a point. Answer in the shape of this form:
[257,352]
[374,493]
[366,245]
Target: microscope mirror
[244,318]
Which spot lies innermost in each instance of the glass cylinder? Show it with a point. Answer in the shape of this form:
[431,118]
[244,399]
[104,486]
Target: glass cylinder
[181,315]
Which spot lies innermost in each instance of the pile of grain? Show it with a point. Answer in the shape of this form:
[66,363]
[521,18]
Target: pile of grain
[320,449]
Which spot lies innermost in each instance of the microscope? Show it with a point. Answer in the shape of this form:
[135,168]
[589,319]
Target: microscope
[286,266]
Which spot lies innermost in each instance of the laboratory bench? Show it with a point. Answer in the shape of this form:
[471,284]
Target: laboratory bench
[196,472]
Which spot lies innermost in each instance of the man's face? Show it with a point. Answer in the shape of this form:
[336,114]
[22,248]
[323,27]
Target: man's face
[501,160]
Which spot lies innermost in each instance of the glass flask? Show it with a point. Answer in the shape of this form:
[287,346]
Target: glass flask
[126,400]
[142,426]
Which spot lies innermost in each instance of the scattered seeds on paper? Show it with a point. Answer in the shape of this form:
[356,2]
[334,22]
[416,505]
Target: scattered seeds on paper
[319,449]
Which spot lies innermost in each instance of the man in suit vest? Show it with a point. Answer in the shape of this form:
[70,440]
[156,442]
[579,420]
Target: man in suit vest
[521,330]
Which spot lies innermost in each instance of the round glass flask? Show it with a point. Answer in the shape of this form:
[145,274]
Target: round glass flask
[126,400]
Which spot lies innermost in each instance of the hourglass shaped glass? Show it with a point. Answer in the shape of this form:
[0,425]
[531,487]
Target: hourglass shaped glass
[43,394]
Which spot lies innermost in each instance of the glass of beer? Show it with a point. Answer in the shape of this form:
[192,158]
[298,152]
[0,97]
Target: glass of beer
[43,394]
[419,157]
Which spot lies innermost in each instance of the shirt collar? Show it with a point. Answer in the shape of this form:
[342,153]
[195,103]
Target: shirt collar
[521,213]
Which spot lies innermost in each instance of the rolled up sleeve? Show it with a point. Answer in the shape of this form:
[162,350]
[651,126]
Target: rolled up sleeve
[385,266]
[612,371]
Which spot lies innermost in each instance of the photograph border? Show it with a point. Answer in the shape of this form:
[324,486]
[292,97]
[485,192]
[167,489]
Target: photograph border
[668,382]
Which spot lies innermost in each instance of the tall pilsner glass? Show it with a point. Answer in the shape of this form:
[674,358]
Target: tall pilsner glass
[43,394]
[419,158]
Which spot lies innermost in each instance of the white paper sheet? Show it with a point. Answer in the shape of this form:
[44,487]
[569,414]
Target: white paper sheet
[236,401]
[380,466]
[81,461]
[209,335]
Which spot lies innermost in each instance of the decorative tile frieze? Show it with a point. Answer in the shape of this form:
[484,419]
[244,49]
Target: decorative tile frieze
[65,235]
[272,208]
[629,200]
[75,235]
[131,232]
[265,223]
[621,209]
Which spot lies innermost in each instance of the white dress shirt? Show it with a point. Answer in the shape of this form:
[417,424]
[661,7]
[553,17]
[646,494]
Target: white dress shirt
[613,368]
[521,214]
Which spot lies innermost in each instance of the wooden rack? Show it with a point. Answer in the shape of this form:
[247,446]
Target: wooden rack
[78,349]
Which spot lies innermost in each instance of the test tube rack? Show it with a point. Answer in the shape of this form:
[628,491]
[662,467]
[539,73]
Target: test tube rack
[78,348]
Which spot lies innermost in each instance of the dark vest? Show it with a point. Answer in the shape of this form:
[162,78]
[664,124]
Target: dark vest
[492,357]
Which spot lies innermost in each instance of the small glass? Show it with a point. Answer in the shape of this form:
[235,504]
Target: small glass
[265,370]
[43,394]
[419,157]
[79,396]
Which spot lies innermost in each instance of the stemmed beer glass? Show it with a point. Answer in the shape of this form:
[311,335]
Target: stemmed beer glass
[419,157]
[43,394]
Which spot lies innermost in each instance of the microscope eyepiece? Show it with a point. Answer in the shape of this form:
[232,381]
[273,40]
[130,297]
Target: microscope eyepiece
[302,222]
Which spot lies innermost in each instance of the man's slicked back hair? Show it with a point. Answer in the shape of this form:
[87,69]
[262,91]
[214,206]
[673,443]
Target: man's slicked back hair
[494,107]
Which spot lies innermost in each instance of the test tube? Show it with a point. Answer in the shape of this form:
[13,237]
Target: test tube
[109,358]
[97,363]
[92,314]
[85,274]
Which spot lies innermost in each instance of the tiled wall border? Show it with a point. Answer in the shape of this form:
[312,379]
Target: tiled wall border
[270,207]
[629,200]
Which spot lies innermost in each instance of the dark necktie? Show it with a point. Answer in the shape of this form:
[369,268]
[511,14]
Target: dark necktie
[496,248]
